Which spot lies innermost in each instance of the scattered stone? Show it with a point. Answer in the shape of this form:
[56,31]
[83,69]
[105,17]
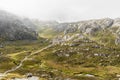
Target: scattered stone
[1,46]
[73,45]
[44,75]
[89,75]
[67,55]
[29,75]
[117,41]
[118,76]
[96,54]
[30,78]
[1,75]
[96,46]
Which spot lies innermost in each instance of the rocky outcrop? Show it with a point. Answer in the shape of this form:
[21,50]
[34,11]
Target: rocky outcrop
[116,22]
[85,27]
[89,26]
[117,41]
[14,28]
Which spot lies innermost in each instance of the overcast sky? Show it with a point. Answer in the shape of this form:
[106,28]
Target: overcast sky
[63,10]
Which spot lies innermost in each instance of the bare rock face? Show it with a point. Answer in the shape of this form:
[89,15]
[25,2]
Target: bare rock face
[105,23]
[116,22]
[117,41]
[14,28]
[89,26]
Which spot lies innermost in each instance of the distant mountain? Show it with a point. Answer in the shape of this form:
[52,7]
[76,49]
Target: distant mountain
[87,26]
[15,28]
[91,28]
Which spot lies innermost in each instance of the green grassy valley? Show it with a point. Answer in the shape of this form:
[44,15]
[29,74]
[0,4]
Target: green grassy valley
[63,51]
[95,58]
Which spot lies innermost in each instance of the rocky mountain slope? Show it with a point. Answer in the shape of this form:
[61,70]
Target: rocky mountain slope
[84,50]
[15,28]
[91,28]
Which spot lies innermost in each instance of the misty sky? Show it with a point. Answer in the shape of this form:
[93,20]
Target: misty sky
[63,10]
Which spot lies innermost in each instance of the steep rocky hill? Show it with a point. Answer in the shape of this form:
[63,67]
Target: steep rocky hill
[90,28]
[15,28]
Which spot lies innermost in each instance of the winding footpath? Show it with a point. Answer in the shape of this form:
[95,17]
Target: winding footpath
[22,61]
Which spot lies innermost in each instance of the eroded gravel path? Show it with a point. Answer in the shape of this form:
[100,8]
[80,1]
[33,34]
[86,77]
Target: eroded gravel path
[22,61]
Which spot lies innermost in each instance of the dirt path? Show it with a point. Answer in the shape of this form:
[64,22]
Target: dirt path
[22,61]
